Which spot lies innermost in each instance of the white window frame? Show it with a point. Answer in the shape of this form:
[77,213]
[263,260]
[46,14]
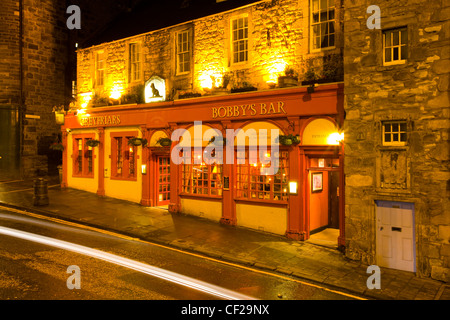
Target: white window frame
[182,52]
[330,5]
[97,70]
[245,38]
[398,132]
[392,47]
[135,62]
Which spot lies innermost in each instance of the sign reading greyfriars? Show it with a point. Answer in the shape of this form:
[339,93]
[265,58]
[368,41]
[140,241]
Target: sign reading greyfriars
[155,89]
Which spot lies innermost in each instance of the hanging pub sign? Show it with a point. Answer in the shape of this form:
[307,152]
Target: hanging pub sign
[155,89]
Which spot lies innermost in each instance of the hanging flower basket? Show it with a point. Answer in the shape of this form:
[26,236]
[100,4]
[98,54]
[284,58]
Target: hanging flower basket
[137,142]
[57,146]
[92,143]
[218,141]
[288,140]
[165,142]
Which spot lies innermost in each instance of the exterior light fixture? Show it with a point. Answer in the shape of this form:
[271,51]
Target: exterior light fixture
[335,138]
[293,187]
[144,169]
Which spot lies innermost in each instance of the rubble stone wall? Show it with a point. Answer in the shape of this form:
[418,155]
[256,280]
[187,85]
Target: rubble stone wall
[417,92]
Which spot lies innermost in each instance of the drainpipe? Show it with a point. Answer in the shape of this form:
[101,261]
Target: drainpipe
[22,94]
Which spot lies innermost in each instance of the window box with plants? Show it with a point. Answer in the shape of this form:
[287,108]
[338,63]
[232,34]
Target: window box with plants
[244,88]
[289,79]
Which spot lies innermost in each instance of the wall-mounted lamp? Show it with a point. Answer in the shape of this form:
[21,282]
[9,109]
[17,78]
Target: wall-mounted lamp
[144,169]
[293,187]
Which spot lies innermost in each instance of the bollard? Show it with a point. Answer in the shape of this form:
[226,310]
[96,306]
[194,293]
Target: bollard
[40,192]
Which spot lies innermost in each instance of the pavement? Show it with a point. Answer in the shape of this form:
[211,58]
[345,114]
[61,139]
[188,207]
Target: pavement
[303,261]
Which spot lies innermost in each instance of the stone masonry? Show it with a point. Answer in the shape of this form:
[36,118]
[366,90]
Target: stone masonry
[417,92]
[278,38]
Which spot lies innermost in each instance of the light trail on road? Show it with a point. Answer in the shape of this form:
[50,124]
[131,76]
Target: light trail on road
[128,263]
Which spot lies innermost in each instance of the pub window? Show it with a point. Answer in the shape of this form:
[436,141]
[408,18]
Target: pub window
[100,68]
[123,157]
[253,183]
[135,62]
[83,165]
[395,46]
[394,133]
[322,23]
[200,178]
[239,30]
[183,52]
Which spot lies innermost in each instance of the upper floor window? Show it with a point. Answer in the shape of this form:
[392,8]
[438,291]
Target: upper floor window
[395,46]
[135,62]
[394,133]
[100,68]
[239,29]
[183,52]
[323,23]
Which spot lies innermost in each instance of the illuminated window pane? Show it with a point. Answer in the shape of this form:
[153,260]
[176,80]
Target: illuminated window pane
[240,39]
[183,52]
[395,45]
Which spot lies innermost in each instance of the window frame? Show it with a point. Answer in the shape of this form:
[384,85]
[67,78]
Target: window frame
[131,62]
[188,52]
[125,152]
[328,21]
[392,143]
[245,39]
[100,53]
[392,46]
[86,162]
[187,181]
[282,172]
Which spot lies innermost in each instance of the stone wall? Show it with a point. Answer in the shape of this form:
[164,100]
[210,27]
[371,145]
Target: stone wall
[418,92]
[278,33]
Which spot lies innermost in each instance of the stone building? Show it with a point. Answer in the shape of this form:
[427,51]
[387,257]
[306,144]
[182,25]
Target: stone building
[397,209]
[37,68]
[230,65]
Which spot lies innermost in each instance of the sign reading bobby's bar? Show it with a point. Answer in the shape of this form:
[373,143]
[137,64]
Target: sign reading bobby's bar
[249,110]
[99,121]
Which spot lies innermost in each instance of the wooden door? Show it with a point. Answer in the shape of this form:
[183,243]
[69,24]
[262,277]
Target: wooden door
[163,180]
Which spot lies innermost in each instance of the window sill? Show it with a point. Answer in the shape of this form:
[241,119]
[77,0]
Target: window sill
[124,179]
[262,202]
[323,49]
[200,196]
[82,176]
[394,63]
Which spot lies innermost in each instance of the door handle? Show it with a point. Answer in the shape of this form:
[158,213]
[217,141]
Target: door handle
[396,229]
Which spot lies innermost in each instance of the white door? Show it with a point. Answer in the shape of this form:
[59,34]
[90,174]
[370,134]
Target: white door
[395,236]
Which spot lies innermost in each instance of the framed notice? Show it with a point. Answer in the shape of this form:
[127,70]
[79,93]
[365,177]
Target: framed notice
[226,183]
[316,181]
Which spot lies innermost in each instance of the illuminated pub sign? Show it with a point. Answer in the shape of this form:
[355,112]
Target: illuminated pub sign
[249,110]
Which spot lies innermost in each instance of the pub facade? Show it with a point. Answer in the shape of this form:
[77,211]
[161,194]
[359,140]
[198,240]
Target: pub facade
[153,108]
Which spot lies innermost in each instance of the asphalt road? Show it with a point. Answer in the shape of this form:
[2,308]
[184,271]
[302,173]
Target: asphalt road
[31,270]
